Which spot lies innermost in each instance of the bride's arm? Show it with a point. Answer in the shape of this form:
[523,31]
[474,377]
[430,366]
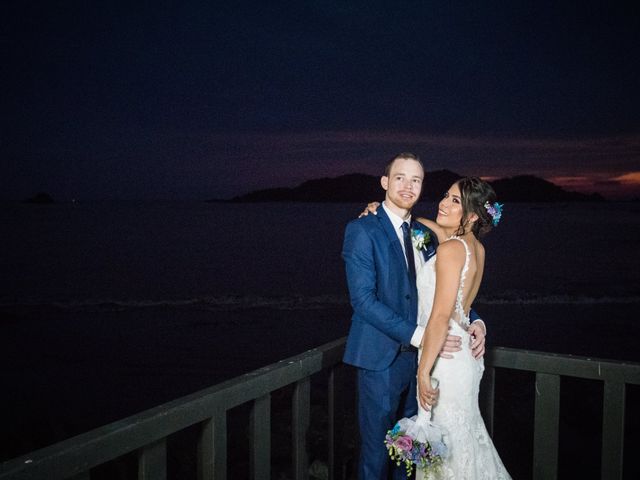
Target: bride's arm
[371,207]
[434,227]
[451,257]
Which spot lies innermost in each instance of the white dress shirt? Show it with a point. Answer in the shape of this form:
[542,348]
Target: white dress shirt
[397,222]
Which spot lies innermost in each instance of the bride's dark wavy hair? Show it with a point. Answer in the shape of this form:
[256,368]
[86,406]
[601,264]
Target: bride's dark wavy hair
[474,193]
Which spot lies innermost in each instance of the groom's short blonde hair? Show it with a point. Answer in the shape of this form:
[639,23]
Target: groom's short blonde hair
[404,156]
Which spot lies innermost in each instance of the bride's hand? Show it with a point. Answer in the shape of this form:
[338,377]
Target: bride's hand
[372,207]
[427,395]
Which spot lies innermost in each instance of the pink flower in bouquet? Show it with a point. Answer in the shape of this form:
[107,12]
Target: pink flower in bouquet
[404,443]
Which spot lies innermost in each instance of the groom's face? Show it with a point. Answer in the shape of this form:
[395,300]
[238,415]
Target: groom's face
[403,185]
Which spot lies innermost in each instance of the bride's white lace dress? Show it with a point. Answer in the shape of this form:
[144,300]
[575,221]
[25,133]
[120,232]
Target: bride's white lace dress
[471,452]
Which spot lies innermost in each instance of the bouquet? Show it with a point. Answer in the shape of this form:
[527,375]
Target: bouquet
[416,441]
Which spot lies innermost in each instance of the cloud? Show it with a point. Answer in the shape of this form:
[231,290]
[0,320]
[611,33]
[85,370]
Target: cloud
[606,183]
[481,155]
[630,178]
[622,186]
[225,165]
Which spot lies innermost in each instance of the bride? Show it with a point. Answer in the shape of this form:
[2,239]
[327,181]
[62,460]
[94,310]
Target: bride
[446,290]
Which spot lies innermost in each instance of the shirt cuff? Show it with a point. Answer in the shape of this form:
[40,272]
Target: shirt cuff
[484,325]
[416,339]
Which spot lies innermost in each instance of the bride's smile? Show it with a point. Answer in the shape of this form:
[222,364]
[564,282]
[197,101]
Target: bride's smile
[450,209]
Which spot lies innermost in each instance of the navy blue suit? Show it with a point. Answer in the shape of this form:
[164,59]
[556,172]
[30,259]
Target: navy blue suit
[385,309]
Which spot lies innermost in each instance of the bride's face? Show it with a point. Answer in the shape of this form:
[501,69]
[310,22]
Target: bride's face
[450,208]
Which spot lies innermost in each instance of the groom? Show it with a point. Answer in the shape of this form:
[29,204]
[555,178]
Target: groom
[381,275]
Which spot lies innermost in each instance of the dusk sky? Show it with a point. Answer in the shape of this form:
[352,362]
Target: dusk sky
[164,100]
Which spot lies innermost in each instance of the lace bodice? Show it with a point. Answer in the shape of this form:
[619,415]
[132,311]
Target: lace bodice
[459,314]
[426,284]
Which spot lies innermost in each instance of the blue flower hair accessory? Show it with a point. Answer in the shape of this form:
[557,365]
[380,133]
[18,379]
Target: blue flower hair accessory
[495,211]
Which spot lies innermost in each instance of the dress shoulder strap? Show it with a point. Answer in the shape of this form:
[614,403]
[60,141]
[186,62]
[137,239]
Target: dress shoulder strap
[466,262]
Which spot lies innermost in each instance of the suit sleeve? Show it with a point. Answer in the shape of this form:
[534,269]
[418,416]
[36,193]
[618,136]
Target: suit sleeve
[474,317]
[360,265]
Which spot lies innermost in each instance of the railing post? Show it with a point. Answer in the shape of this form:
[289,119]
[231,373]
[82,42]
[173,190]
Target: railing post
[81,476]
[487,397]
[261,438]
[152,461]
[300,426]
[331,423]
[212,448]
[613,430]
[547,423]
[335,393]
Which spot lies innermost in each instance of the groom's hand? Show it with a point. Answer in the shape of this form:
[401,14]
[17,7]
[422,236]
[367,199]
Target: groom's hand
[478,338]
[452,344]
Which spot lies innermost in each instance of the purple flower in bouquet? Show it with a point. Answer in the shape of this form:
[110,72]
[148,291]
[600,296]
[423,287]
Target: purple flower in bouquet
[404,443]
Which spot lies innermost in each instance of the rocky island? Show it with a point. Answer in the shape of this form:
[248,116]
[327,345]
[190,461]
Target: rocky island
[359,187]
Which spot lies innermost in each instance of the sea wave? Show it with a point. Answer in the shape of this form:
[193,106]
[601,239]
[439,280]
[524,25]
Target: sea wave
[298,302]
[557,299]
[222,302]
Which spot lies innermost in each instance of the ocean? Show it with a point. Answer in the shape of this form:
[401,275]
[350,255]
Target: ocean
[109,308]
[219,255]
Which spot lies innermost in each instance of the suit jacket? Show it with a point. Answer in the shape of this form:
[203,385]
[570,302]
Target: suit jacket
[383,294]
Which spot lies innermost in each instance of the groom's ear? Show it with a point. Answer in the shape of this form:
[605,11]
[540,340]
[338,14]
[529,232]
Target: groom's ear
[384,181]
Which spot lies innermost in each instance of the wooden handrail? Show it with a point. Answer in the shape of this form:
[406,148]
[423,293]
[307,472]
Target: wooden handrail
[147,432]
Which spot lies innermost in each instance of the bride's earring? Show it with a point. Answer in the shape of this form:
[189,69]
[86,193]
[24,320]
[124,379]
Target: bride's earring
[471,219]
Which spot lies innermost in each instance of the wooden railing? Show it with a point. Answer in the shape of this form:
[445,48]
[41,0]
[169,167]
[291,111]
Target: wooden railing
[548,368]
[147,432]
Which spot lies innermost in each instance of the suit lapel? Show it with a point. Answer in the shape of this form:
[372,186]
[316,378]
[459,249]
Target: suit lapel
[391,234]
[430,251]
[421,255]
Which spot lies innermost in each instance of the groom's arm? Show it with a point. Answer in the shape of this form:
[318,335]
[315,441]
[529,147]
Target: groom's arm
[474,317]
[477,330]
[361,279]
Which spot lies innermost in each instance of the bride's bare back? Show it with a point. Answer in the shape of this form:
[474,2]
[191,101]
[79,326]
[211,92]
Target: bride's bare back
[475,270]
[476,260]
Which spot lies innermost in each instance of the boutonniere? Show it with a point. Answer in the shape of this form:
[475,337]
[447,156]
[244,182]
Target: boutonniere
[420,239]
